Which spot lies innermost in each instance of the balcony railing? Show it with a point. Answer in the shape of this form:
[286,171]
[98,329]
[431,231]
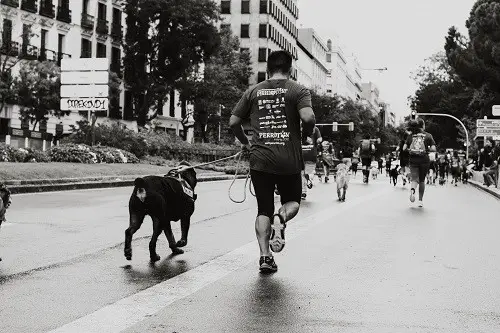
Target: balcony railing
[62,55]
[64,13]
[102,26]
[87,21]
[116,32]
[47,9]
[29,6]
[10,48]
[29,52]
[11,3]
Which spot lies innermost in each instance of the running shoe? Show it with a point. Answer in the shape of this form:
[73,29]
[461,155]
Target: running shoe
[267,265]
[412,195]
[309,184]
[277,240]
[420,203]
[304,195]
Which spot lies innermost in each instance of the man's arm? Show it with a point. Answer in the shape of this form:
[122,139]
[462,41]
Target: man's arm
[235,123]
[308,120]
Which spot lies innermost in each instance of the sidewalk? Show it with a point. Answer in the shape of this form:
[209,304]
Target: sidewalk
[65,184]
[477,182]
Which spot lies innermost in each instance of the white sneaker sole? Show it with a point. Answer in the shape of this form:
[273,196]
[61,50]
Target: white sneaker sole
[277,240]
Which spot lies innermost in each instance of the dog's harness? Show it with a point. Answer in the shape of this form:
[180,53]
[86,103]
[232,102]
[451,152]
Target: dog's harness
[186,188]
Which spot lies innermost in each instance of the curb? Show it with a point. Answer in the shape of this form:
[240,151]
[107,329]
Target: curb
[23,189]
[484,188]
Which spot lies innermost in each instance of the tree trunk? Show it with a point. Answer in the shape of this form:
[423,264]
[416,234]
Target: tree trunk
[36,123]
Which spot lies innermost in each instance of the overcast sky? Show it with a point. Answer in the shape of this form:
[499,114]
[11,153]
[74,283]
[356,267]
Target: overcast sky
[397,34]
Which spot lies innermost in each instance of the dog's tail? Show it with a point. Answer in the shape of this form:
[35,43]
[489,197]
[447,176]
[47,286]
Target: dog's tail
[140,185]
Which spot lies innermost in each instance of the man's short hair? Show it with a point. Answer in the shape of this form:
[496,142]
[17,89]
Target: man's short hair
[421,123]
[279,61]
[367,137]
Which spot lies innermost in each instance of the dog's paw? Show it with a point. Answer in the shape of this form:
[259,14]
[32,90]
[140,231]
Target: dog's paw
[155,258]
[176,250]
[181,243]
[128,254]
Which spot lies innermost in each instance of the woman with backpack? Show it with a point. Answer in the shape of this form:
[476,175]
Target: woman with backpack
[366,151]
[419,144]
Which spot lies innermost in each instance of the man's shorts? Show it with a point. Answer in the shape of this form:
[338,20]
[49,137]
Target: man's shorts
[419,171]
[309,167]
[264,184]
[366,162]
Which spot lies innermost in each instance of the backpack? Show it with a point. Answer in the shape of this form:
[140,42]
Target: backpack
[417,146]
[366,148]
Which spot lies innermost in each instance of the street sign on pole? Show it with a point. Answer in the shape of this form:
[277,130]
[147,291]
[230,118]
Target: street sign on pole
[495,110]
[490,123]
[72,91]
[481,131]
[84,104]
[335,126]
[84,64]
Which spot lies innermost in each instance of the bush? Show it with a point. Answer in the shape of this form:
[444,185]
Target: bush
[72,153]
[22,155]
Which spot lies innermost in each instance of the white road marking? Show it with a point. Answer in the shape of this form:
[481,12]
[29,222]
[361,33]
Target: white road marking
[131,310]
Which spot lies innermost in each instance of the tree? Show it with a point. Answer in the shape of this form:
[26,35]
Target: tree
[477,59]
[225,79]
[165,41]
[37,88]
[114,96]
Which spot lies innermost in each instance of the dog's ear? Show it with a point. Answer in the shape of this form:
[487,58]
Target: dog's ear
[140,183]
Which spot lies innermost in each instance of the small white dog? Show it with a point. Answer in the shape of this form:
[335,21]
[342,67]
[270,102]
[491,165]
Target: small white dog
[342,178]
[374,172]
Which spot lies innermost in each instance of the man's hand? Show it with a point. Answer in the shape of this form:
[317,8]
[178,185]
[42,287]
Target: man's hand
[245,148]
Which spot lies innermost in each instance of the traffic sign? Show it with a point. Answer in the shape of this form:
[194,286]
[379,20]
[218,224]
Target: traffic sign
[84,104]
[335,126]
[84,64]
[489,123]
[481,131]
[84,78]
[100,90]
[495,110]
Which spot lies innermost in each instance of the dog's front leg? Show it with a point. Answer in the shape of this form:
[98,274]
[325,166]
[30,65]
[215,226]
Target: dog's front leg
[167,228]
[157,229]
[185,223]
[135,223]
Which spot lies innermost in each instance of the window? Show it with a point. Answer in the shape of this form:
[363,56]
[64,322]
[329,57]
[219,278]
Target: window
[263,6]
[225,7]
[172,103]
[245,31]
[117,17]
[101,11]
[245,7]
[261,77]
[26,37]
[263,31]
[262,55]
[101,50]
[244,49]
[6,33]
[225,26]
[116,59]
[86,48]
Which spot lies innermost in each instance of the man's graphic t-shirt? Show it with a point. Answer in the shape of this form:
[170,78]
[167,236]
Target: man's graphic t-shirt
[273,108]
[418,144]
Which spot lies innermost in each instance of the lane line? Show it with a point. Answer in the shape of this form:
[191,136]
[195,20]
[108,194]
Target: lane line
[133,309]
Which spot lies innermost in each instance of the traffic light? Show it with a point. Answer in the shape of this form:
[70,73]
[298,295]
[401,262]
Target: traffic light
[413,115]
[351,127]
[335,126]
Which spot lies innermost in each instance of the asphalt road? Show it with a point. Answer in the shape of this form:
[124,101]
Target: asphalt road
[371,264]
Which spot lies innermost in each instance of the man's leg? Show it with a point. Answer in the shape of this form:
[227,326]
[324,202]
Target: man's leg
[304,183]
[415,181]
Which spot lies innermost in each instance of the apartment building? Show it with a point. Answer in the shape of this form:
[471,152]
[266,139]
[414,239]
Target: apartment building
[305,66]
[263,26]
[371,97]
[310,41]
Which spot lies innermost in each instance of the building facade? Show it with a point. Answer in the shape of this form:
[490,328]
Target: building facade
[371,97]
[60,29]
[305,67]
[312,43]
[344,73]
[263,26]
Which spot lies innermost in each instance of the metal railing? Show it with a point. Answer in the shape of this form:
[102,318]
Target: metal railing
[87,21]
[102,26]
[47,9]
[64,13]
[29,6]
[11,3]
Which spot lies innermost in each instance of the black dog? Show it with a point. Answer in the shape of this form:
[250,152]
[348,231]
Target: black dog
[4,203]
[165,199]
[394,174]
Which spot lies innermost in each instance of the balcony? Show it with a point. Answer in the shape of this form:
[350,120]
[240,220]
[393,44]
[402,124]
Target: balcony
[64,13]
[117,32]
[47,9]
[102,27]
[29,6]
[47,55]
[10,48]
[62,55]
[87,21]
[11,3]
[29,52]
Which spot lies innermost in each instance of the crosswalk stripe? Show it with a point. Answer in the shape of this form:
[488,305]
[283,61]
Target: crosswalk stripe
[133,309]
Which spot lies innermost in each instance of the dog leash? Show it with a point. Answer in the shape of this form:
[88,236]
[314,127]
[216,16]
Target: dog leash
[248,180]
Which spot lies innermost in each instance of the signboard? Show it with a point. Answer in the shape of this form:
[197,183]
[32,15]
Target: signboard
[490,123]
[84,104]
[84,64]
[72,91]
[488,131]
[495,110]
[84,78]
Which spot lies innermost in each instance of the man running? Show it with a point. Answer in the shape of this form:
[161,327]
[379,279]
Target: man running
[419,144]
[355,162]
[366,151]
[404,161]
[310,165]
[326,153]
[275,108]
